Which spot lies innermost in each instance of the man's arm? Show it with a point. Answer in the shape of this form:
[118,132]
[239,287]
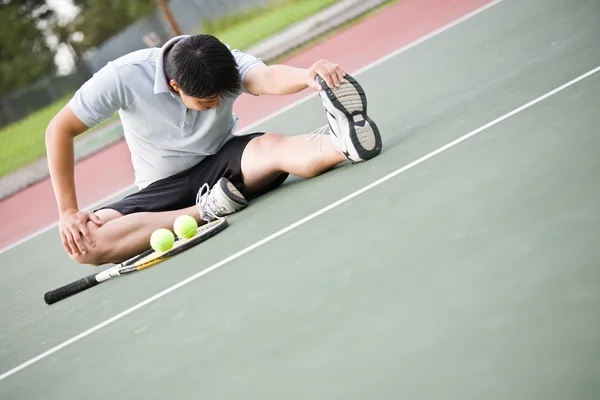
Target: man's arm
[95,101]
[61,131]
[283,79]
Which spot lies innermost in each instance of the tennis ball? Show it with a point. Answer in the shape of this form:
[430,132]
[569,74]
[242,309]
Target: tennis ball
[162,240]
[185,226]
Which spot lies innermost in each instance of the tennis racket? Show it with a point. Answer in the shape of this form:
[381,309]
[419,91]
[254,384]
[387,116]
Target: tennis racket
[137,263]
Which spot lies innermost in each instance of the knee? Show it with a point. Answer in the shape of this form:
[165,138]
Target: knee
[270,140]
[91,257]
[263,153]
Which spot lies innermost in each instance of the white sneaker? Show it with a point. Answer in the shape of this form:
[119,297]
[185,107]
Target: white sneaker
[353,133]
[223,199]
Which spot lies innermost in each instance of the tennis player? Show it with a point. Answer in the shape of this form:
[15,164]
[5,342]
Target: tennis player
[176,107]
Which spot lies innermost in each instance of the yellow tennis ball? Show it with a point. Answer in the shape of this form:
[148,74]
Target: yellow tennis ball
[185,226]
[162,240]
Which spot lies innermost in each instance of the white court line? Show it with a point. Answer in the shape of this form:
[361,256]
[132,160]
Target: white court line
[293,226]
[284,109]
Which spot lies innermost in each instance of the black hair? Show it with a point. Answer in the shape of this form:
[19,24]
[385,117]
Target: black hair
[203,67]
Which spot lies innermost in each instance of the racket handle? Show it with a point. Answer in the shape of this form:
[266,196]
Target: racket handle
[69,290]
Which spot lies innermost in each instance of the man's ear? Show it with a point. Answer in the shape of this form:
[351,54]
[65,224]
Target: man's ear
[174,85]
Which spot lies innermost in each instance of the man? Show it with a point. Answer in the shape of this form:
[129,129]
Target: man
[175,105]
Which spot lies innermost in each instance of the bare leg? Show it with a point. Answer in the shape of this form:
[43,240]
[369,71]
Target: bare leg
[122,237]
[271,154]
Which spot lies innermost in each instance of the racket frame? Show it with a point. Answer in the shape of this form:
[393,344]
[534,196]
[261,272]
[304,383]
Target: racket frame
[137,263]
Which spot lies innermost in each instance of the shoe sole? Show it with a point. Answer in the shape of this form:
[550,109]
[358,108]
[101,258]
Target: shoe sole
[232,193]
[350,99]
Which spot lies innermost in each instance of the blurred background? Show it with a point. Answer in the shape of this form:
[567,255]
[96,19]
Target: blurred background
[48,48]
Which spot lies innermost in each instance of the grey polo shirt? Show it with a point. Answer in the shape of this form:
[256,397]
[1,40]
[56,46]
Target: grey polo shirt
[163,135]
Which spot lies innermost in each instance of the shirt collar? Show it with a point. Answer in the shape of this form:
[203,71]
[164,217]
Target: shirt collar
[160,81]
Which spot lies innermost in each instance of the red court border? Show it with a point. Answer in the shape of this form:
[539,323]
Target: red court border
[109,170]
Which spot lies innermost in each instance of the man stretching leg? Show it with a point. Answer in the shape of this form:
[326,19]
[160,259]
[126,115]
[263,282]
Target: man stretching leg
[176,107]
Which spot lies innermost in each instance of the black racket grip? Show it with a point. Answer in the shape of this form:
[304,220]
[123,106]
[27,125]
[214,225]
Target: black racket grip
[69,290]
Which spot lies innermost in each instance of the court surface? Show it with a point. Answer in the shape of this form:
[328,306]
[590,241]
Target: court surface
[458,272]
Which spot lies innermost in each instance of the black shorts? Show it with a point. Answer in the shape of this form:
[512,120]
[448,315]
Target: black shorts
[179,191]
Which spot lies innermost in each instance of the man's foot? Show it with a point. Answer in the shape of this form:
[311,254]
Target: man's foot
[353,133]
[223,199]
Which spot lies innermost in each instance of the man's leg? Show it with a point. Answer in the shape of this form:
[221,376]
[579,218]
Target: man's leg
[267,156]
[123,236]
[353,136]
[129,222]
[264,159]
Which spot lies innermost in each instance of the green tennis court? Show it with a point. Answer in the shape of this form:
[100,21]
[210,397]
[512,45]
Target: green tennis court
[462,263]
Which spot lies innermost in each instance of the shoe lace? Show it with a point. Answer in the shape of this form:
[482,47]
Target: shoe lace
[319,132]
[207,204]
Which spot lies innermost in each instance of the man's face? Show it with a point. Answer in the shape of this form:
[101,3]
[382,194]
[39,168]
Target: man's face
[198,104]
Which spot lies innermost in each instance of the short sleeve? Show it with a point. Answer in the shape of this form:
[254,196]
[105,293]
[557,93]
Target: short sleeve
[99,98]
[245,63]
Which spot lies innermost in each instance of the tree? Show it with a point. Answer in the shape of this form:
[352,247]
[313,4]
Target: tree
[24,54]
[32,9]
[169,17]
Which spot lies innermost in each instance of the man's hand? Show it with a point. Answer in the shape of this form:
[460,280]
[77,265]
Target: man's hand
[73,228]
[283,79]
[331,73]
[59,147]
